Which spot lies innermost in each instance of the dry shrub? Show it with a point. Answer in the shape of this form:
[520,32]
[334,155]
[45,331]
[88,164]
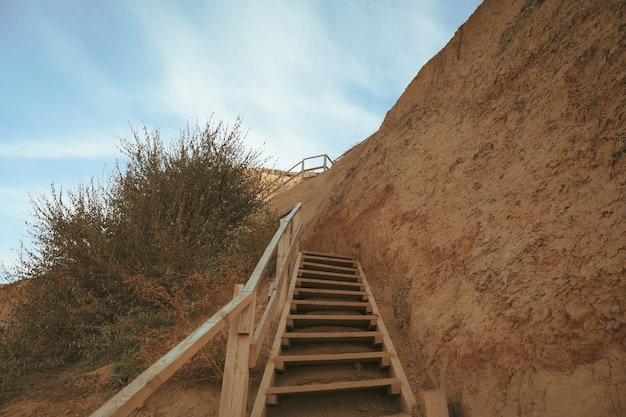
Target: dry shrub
[125,268]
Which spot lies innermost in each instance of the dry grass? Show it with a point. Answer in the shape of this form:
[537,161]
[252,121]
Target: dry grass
[125,268]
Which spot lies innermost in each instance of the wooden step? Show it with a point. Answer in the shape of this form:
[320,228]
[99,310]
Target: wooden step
[331,309]
[391,384]
[333,276]
[348,320]
[329,285]
[299,306]
[322,337]
[280,362]
[310,266]
[344,263]
[326,255]
[341,294]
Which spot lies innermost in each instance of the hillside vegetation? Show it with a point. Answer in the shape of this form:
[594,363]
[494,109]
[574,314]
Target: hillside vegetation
[491,208]
[124,267]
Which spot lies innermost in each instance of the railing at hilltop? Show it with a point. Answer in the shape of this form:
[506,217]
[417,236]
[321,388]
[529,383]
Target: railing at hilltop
[300,171]
[244,338]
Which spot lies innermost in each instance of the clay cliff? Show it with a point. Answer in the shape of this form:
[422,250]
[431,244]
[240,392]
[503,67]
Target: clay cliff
[490,209]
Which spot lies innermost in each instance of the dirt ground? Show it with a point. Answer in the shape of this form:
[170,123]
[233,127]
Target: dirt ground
[489,215]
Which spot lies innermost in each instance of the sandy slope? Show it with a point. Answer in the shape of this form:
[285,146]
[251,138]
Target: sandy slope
[496,187]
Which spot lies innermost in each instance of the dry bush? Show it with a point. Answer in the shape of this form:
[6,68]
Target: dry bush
[124,268]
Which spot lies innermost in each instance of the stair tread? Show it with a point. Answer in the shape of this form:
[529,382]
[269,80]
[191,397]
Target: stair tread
[323,358]
[342,262]
[332,304]
[319,283]
[348,320]
[346,317]
[325,255]
[324,267]
[333,386]
[299,291]
[375,337]
[332,335]
[333,276]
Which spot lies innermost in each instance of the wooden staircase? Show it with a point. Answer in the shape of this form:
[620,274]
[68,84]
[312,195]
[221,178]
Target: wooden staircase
[331,339]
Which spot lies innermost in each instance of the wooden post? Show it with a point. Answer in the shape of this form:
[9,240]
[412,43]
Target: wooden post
[282,252]
[234,395]
[434,403]
[283,247]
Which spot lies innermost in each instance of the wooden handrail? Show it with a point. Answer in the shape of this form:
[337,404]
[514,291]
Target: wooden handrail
[277,298]
[325,156]
[235,313]
[263,263]
[280,182]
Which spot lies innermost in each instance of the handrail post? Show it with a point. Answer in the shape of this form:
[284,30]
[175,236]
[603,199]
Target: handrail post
[281,254]
[291,254]
[234,394]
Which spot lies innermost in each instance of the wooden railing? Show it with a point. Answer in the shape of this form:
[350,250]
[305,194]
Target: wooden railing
[244,338]
[301,171]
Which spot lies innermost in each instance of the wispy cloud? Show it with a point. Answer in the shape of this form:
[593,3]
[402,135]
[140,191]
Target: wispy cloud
[308,77]
[300,73]
[83,147]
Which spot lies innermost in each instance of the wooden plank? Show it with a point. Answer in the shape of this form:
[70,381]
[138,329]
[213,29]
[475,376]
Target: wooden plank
[329,285]
[325,255]
[285,257]
[260,267]
[298,306]
[345,263]
[336,387]
[278,296]
[349,320]
[327,268]
[262,329]
[270,291]
[375,337]
[333,262]
[280,362]
[329,275]
[135,393]
[284,271]
[234,392]
[434,404]
[408,398]
[316,292]
[259,409]
[284,243]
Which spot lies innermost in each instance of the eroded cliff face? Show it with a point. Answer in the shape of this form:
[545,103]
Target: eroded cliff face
[491,207]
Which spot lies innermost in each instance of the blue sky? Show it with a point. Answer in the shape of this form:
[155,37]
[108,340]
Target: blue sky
[307,77]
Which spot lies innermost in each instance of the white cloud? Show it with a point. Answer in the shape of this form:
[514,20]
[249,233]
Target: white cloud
[278,67]
[308,77]
[87,147]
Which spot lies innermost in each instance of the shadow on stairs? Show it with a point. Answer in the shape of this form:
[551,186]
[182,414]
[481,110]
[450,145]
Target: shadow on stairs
[332,354]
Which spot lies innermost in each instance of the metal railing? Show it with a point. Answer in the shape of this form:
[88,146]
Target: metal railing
[244,338]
